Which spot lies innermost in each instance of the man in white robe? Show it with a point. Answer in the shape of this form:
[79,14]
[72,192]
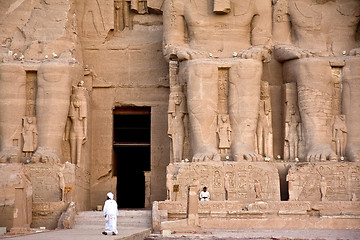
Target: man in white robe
[110,212]
[204,195]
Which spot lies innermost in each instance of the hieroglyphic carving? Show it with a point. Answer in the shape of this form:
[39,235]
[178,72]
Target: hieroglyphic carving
[30,93]
[257,188]
[336,73]
[223,89]
[323,181]
[228,180]
[323,188]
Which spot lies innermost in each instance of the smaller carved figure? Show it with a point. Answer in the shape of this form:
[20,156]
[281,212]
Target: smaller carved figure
[339,134]
[29,133]
[323,188]
[264,126]
[224,133]
[293,133]
[177,122]
[76,127]
[257,188]
[293,185]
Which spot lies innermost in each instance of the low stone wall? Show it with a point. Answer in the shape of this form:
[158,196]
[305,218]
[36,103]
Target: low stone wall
[15,196]
[264,215]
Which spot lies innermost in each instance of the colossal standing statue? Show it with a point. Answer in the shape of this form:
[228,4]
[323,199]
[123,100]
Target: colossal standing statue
[206,37]
[317,42]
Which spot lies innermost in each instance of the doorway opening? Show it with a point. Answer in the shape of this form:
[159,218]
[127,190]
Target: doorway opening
[131,148]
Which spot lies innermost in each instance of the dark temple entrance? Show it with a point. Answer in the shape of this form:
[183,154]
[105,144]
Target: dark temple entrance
[131,154]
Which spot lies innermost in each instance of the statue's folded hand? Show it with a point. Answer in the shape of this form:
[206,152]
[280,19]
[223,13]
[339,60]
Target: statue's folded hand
[184,53]
[259,52]
[284,53]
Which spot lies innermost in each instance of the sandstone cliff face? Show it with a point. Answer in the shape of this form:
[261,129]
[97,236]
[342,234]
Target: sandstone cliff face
[37,29]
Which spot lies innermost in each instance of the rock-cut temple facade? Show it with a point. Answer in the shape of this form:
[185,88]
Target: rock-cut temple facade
[259,101]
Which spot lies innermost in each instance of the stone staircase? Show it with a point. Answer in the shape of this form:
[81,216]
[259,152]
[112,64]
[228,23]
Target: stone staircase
[140,219]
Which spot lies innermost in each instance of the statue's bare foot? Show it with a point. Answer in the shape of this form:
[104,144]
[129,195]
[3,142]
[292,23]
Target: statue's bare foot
[206,153]
[9,155]
[241,153]
[321,152]
[353,153]
[45,156]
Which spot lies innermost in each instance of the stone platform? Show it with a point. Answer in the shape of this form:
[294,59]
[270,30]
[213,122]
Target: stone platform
[262,215]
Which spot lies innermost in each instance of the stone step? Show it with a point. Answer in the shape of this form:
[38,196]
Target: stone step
[126,218]
[123,213]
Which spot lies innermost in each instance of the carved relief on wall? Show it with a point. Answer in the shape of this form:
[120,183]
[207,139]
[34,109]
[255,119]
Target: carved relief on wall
[323,181]
[227,180]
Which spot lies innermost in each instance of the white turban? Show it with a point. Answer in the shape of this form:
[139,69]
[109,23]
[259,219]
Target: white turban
[110,195]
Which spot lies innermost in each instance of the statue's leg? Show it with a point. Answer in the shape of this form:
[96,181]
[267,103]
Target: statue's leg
[315,87]
[351,106]
[52,105]
[73,149]
[244,97]
[259,137]
[78,150]
[202,99]
[12,109]
[178,150]
[267,145]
